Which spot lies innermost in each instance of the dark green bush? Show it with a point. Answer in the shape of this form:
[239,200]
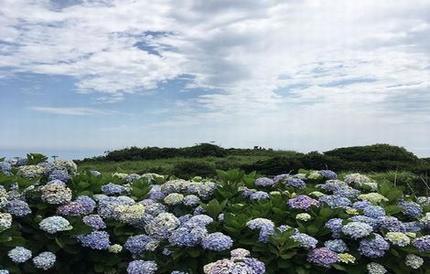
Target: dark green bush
[190,169]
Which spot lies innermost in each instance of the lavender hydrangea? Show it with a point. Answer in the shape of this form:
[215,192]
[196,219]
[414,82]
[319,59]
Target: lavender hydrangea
[98,240]
[142,267]
[335,226]
[373,247]
[44,260]
[328,174]
[19,254]
[302,202]
[323,257]
[59,174]
[411,209]
[334,201]
[217,242]
[391,224]
[295,182]
[83,205]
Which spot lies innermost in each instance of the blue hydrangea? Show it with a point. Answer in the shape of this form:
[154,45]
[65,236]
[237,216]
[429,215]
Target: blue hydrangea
[18,208]
[259,196]
[142,267]
[336,245]
[264,182]
[44,260]
[217,242]
[422,243]
[373,211]
[411,209]
[373,222]
[191,200]
[141,243]
[357,230]
[347,191]
[187,236]
[59,174]
[334,201]
[107,205]
[305,240]
[374,246]
[98,240]
[328,174]
[413,226]
[335,226]
[391,224]
[199,220]
[113,189]
[94,221]
[295,182]
[5,167]
[361,205]
[265,226]
[19,254]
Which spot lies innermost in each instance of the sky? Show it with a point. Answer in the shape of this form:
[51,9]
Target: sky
[80,77]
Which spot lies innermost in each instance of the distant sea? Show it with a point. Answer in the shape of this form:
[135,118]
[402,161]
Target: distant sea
[62,154]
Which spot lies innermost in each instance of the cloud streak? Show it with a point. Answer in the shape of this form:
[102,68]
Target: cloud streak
[73,111]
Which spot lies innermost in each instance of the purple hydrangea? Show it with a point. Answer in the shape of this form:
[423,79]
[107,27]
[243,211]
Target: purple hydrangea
[373,247]
[217,242]
[18,208]
[94,221]
[142,267]
[141,243]
[391,224]
[336,245]
[98,240]
[323,257]
[83,205]
[302,202]
[264,182]
[422,243]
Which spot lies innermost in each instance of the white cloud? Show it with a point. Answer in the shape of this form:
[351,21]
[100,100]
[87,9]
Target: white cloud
[270,62]
[74,111]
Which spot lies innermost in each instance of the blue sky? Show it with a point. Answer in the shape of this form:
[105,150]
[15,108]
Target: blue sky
[81,77]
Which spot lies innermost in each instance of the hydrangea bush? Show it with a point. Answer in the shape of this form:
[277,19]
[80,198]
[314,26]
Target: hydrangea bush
[54,219]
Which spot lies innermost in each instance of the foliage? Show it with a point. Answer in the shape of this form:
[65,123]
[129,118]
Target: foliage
[36,158]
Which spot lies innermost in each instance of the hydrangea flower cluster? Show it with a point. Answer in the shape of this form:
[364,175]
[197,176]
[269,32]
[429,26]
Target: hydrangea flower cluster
[323,257]
[303,202]
[239,262]
[265,226]
[44,260]
[55,224]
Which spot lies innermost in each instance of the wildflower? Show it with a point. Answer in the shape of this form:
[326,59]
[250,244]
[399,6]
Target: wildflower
[264,182]
[217,242]
[414,261]
[19,254]
[357,230]
[323,257]
[44,260]
[346,258]
[55,224]
[375,268]
[142,267]
[98,240]
[398,238]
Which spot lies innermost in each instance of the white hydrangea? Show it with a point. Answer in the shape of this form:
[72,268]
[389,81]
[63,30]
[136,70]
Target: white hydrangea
[398,238]
[414,261]
[361,181]
[55,224]
[31,171]
[56,193]
[5,221]
[173,199]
